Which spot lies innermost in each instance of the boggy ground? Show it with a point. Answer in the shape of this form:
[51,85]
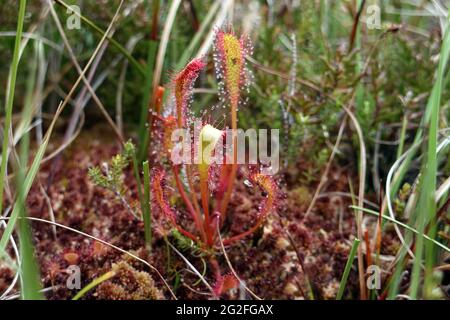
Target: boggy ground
[292,257]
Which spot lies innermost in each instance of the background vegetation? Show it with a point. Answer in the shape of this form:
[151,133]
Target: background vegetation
[373,102]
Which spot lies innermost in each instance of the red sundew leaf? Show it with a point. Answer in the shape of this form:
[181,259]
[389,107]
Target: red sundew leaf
[158,195]
[230,61]
[225,283]
[269,191]
[72,258]
[162,203]
[169,125]
[223,181]
[166,127]
[183,86]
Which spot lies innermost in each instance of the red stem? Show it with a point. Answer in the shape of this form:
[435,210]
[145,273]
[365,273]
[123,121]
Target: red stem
[184,232]
[205,205]
[262,216]
[232,176]
[243,234]
[195,216]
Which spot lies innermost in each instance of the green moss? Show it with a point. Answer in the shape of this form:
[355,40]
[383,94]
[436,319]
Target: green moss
[128,284]
[300,196]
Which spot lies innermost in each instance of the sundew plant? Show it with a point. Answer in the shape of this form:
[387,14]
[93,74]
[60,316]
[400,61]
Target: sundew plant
[208,208]
[232,150]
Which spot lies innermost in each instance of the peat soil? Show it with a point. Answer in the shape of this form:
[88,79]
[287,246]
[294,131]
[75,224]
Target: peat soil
[291,257]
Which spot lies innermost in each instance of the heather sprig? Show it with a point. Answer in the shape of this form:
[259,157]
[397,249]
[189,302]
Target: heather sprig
[110,175]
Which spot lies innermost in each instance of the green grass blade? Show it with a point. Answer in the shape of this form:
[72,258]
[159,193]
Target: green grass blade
[347,268]
[444,58]
[41,150]
[10,98]
[160,62]
[147,210]
[137,176]
[402,136]
[144,134]
[116,44]
[108,275]
[187,54]
[403,225]
[29,271]
[427,205]
[26,186]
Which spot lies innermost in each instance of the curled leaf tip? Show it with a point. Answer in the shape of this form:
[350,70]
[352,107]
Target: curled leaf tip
[184,83]
[209,137]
